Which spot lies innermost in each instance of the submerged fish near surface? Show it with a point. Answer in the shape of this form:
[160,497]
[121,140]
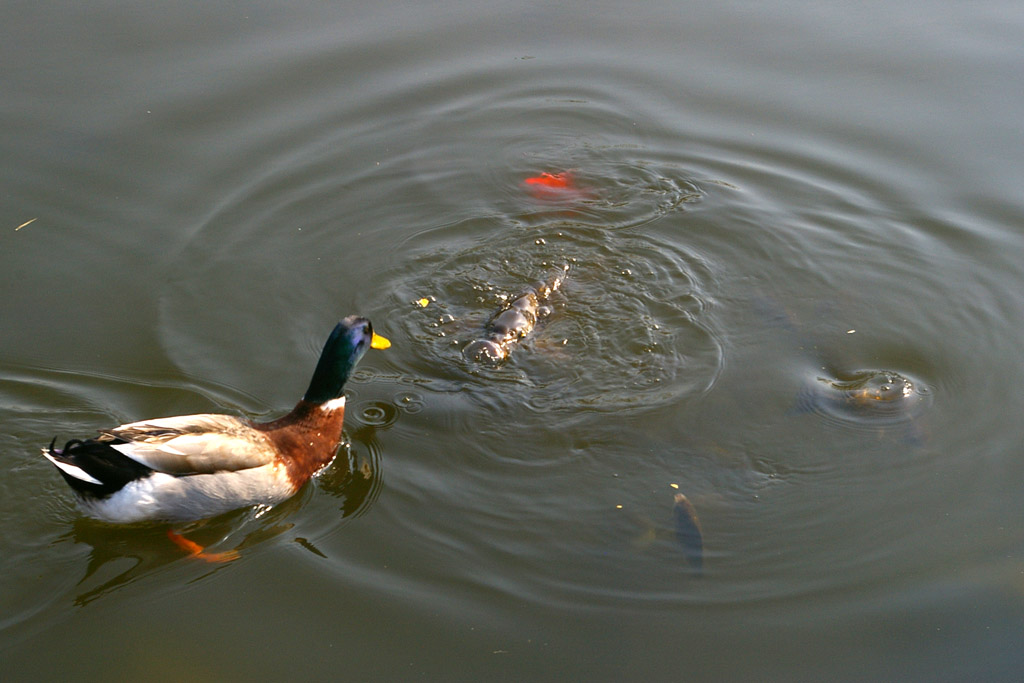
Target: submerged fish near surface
[512,323]
[688,531]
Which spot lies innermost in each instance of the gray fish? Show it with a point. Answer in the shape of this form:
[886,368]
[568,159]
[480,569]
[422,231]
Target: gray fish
[512,323]
[688,532]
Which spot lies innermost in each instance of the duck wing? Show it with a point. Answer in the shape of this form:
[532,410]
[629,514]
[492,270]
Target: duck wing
[193,444]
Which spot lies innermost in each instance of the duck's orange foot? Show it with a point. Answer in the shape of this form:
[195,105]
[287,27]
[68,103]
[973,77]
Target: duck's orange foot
[196,550]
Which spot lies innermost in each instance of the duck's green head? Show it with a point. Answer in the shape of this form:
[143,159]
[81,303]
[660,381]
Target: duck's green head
[351,338]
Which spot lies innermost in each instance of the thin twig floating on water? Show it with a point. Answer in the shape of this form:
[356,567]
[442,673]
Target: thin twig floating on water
[31,220]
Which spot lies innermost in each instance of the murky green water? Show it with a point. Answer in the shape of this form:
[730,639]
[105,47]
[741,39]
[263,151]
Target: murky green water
[772,203]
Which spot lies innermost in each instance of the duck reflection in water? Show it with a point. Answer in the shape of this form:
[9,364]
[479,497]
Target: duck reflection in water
[353,479]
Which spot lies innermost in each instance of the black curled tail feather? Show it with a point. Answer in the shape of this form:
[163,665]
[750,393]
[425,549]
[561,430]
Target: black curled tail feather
[55,453]
[99,460]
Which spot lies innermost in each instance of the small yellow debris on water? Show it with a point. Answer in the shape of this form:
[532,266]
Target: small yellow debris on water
[850,331]
[675,486]
[28,222]
[423,303]
[618,507]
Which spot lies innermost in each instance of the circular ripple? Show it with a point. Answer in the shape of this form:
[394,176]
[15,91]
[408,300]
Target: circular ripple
[628,328]
[866,397]
[355,479]
[409,401]
[376,413]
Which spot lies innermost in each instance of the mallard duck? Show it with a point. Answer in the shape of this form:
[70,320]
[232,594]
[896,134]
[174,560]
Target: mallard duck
[196,466]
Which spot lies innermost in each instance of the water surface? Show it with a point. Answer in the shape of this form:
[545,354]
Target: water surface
[769,199]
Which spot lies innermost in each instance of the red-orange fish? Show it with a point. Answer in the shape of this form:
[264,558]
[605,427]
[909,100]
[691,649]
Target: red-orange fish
[552,181]
[553,186]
